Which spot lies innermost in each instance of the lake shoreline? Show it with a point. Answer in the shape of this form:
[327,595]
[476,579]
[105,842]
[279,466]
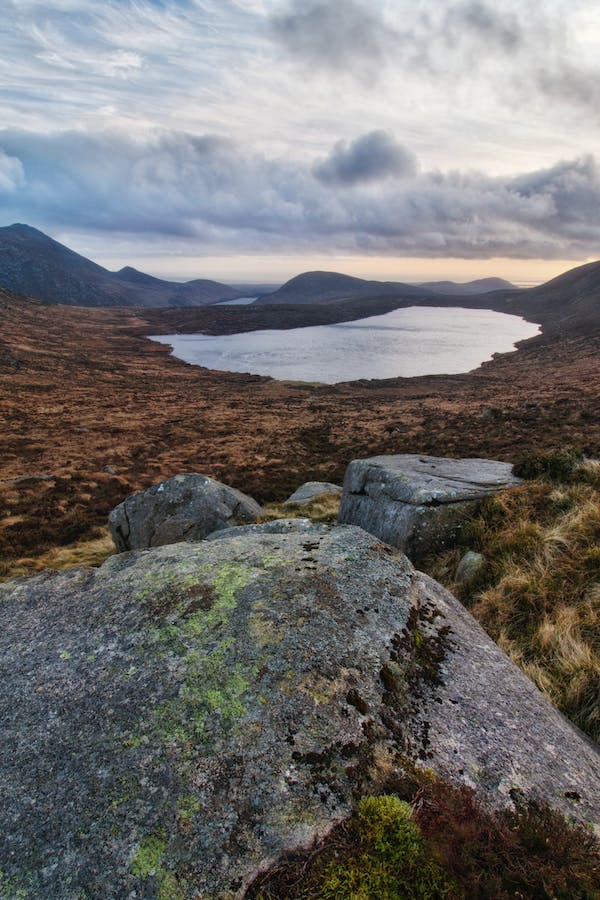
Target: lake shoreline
[410,342]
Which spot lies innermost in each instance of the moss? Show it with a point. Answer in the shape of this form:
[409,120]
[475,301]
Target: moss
[392,860]
[147,860]
[449,846]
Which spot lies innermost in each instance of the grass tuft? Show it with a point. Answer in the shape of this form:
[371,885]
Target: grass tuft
[539,593]
[323,509]
[90,552]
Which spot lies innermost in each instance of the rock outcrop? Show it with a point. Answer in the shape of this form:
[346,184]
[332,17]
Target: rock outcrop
[176,719]
[183,508]
[310,490]
[417,503]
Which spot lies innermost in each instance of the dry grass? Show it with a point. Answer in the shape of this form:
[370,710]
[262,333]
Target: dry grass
[539,596]
[91,552]
[322,509]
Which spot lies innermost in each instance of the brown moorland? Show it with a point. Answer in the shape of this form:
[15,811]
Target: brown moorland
[91,410]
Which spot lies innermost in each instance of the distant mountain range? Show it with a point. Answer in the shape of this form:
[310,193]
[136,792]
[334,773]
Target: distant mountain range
[35,264]
[331,287]
[480,286]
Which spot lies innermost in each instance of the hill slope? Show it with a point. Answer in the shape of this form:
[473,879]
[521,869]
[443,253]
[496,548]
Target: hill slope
[33,263]
[327,287]
[479,286]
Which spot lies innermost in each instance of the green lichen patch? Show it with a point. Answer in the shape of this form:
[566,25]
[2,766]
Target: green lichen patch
[187,808]
[211,683]
[13,887]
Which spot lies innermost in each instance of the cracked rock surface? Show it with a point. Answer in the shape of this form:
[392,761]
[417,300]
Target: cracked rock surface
[186,507]
[176,719]
[417,503]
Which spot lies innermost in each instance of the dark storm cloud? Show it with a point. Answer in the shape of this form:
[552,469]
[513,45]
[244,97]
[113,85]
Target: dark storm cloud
[229,198]
[370,157]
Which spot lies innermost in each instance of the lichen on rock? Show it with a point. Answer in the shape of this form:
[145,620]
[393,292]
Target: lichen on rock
[181,716]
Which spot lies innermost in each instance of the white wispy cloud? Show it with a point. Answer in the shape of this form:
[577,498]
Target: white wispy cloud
[252,124]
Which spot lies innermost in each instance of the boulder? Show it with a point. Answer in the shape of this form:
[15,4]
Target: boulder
[176,719]
[183,508]
[418,503]
[469,567]
[310,490]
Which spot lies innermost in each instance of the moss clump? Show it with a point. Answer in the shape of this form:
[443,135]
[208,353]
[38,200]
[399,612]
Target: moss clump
[443,844]
[148,862]
[392,861]
[149,856]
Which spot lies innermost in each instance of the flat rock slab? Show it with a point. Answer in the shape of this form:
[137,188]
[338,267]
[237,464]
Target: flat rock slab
[175,720]
[310,490]
[417,503]
[186,507]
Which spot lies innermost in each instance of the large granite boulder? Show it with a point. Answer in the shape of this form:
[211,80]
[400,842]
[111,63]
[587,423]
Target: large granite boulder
[310,490]
[418,503]
[183,508]
[175,720]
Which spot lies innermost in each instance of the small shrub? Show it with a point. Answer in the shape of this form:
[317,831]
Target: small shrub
[556,465]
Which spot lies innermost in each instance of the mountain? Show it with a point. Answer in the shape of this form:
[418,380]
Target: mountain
[33,263]
[572,296]
[328,287]
[479,286]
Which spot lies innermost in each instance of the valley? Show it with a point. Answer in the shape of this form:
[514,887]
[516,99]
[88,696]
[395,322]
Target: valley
[91,410]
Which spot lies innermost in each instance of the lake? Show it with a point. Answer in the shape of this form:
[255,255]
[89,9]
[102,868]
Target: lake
[405,342]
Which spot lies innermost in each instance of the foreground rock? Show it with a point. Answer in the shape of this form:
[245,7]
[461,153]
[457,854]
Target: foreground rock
[183,508]
[175,720]
[417,503]
[310,490]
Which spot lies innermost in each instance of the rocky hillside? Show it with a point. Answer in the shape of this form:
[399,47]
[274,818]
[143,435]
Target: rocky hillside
[35,264]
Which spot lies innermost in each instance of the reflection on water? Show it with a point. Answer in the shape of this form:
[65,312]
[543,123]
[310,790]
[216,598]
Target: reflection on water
[405,342]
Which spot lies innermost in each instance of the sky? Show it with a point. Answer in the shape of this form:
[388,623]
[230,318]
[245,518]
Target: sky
[255,139]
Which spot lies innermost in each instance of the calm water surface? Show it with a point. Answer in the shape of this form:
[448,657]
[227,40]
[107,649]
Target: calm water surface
[405,342]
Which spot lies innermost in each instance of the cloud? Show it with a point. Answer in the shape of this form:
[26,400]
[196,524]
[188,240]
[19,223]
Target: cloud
[11,174]
[370,157]
[352,36]
[519,57]
[492,27]
[207,191]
